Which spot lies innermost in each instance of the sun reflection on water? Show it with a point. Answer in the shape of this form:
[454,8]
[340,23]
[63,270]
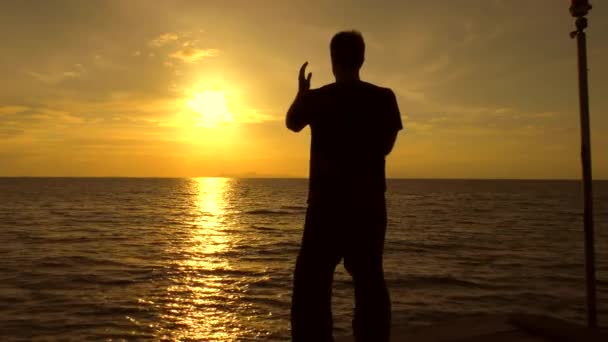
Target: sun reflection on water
[200,298]
[209,237]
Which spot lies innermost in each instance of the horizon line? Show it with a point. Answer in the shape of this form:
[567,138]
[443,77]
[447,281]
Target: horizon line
[306,178]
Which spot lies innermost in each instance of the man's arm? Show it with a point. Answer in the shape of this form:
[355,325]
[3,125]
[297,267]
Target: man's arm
[389,143]
[297,115]
[394,124]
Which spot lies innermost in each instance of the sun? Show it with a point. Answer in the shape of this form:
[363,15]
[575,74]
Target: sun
[212,108]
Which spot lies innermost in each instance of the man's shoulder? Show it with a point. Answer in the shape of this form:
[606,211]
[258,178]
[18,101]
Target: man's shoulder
[318,94]
[324,88]
[375,90]
[379,89]
[363,85]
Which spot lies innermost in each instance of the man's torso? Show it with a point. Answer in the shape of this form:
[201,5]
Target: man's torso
[349,122]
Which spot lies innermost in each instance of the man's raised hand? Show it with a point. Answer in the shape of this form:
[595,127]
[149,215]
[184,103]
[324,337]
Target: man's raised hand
[304,82]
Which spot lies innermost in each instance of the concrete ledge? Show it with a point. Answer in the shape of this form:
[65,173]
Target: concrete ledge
[499,328]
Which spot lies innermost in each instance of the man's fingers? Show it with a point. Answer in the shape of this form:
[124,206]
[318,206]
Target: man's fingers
[309,77]
[303,70]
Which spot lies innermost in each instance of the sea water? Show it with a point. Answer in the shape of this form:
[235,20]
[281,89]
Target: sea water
[211,259]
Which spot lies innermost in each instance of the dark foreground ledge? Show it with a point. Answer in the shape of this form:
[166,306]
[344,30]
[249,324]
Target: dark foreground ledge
[499,328]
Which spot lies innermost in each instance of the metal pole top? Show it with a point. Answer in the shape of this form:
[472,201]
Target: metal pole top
[580,8]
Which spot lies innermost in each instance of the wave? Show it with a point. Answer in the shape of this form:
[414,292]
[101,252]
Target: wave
[268,212]
[293,207]
[442,281]
[262,228]
[78,260]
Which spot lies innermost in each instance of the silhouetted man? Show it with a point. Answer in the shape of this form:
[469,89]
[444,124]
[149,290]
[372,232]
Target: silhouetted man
[353,125]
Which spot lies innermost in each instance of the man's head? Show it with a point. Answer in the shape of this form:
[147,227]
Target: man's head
[347,52]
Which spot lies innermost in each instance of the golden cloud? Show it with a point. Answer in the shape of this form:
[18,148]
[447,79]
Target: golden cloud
[163,39]
[13,109]
[193,55]
[57,116]
[55,77]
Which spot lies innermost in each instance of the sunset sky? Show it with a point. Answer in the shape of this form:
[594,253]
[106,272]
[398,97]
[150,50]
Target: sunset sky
[487,89]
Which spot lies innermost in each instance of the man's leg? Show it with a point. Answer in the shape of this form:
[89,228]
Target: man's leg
[363,260]
[311,318]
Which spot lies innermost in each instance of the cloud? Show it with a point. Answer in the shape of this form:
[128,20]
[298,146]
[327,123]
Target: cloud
[503,110]
[544,115]
[251,115]
[164,39]
[185,45]
[9,132]
[412,94]
[53,78]
[71,74]
[193,55]
[12,109]
[56,116]
[418,126]
[441,63]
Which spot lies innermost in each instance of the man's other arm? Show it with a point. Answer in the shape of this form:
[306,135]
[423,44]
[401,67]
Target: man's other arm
[394,124]
[297,116]
[389,143]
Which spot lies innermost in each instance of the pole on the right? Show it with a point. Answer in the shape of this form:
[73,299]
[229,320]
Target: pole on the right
[578,9]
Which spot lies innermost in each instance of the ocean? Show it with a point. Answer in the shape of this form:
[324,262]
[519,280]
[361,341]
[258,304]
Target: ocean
[211,259]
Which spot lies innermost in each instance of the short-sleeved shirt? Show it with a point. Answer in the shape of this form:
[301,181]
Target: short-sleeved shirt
[350,123]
